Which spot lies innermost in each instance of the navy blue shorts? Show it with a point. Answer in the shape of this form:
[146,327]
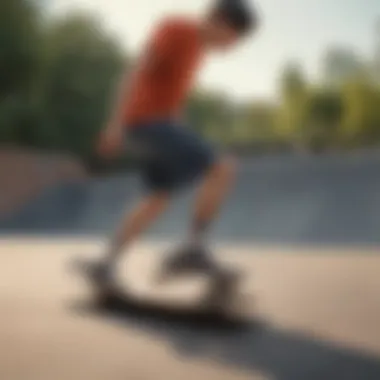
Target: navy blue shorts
[169,155]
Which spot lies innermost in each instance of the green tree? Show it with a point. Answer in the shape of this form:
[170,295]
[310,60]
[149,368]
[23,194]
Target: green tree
[254,125]
[341,64]
[83,64]
[210,113]
[20,63]
[361,121]
[19,41]
[294,97]
[324,116]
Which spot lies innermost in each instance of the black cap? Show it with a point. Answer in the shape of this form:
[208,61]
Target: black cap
[241,15]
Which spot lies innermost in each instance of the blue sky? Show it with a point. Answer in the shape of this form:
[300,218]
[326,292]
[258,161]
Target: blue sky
[292,30]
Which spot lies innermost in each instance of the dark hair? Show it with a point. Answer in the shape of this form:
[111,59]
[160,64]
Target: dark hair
[237,13]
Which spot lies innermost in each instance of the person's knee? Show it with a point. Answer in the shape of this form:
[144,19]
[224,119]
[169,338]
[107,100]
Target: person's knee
[157,202]
[225,168]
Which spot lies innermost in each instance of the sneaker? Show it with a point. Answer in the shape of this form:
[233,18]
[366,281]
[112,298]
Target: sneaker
[186,261]
[103,278]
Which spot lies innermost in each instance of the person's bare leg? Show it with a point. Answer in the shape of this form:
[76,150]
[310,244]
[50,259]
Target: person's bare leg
[194,256]
[134,224]
[211,196]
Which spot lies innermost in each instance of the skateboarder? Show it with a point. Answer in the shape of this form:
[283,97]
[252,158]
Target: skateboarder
[147,119]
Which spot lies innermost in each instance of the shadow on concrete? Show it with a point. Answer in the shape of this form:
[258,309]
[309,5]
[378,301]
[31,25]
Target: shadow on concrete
[254,347]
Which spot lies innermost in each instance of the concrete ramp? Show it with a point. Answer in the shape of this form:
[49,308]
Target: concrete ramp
[25,173]
[328,200]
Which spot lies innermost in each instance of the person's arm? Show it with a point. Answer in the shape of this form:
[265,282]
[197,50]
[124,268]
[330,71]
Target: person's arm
[116,116]
[110,139]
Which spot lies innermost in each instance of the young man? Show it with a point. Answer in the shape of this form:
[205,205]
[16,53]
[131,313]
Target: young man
[148,119]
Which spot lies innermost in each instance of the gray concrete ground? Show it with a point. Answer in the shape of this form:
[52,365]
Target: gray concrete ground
[320,314]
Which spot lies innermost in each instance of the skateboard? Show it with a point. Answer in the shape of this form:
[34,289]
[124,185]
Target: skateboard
[221,296]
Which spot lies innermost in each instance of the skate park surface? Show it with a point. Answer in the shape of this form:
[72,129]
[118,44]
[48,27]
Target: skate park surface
[306,231]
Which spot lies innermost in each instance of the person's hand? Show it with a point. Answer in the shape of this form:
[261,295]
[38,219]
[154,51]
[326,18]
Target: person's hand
[110,142]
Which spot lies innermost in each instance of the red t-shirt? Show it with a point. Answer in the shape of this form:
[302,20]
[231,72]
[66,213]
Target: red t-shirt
[165,74]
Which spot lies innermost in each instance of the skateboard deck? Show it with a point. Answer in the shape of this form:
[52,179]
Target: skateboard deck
[205,298]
